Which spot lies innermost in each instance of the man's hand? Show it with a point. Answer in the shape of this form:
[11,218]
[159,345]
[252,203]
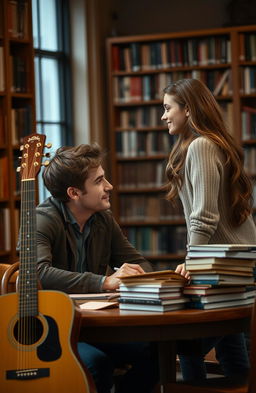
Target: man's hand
[181,270]
[127,269]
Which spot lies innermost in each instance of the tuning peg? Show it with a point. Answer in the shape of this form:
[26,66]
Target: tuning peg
[18,169]
[21,147]
[48,145]
[46,155]
[46,163]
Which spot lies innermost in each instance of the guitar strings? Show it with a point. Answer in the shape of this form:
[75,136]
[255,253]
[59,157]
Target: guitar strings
[28,299]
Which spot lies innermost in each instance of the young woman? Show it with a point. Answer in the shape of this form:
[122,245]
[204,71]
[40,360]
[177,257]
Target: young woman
[205,169]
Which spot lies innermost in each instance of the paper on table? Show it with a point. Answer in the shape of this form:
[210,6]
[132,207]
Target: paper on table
[94,305]
[94,296]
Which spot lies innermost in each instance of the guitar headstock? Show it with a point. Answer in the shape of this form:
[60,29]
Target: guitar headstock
[32,153]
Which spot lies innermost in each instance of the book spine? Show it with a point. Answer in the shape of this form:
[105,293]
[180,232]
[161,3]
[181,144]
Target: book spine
[205,282]
[140,301]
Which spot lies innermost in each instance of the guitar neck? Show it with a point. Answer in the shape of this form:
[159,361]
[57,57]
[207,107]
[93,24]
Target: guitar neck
[28,297]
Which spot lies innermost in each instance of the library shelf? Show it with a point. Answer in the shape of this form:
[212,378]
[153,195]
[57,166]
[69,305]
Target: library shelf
[17,113]
[139,67]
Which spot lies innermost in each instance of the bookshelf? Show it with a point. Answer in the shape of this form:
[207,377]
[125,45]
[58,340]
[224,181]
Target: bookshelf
[139,67]
[17,113]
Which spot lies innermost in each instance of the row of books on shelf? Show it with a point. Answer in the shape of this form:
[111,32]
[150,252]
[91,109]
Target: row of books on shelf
[19,72]
[247,50]
[157,240]
[227,112]
[148,208]
[139,117]
[17,19]
[2,125]
[248,116]
[135,144]
[247,80]
[150,87]
[2,78]
[141,174]
[5,235]
[5,228]
[21,123]
[250,160]
[16,175]
[215,282]
[4,178]
[142,117]
[171,53]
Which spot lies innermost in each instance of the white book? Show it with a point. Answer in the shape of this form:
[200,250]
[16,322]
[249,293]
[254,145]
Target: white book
[222,297]
[230,303]
[222,247]
[150,307]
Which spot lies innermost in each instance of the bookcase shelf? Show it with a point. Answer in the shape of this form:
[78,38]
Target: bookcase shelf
[17,113]
[139,67]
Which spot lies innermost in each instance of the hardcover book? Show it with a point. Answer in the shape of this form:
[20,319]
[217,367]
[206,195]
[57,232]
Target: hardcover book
[161,302]
[222,254]
[221,297]
[210,290]
[231,303]
[151,307]
[232,262]
[222,247]
[220,279]
[163,276]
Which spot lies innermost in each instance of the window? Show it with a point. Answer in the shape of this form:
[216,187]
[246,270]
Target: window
[52,74]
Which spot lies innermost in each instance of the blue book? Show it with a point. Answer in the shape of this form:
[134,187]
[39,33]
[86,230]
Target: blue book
[221,280]
[230,303]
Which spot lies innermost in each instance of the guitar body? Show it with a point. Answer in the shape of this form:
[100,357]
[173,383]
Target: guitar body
[42,360]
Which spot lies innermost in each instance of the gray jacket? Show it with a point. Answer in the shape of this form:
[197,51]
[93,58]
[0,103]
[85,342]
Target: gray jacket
[57,257]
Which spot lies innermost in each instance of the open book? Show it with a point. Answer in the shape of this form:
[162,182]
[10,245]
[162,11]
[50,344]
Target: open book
[168,276]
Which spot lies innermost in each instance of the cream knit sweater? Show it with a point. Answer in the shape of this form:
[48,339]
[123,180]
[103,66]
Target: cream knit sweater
[204,196]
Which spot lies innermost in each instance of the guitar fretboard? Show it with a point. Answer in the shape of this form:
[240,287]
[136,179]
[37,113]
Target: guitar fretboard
[28,299]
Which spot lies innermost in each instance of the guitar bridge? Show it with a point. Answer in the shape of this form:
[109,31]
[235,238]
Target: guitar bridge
[30,373]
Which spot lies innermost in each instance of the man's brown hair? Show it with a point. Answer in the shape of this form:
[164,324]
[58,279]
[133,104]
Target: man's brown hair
[70,167]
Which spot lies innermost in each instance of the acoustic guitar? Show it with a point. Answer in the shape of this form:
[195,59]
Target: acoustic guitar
[38,328]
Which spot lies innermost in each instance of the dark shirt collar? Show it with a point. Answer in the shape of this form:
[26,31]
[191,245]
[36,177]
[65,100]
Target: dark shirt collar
[68,216]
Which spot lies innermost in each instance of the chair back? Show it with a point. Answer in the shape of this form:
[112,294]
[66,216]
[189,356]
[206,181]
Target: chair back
[8,277]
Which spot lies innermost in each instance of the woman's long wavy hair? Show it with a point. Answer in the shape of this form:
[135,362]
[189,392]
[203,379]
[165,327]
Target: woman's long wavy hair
[205,119]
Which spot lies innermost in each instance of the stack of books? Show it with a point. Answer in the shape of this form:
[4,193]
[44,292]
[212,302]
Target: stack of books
[222,275]
[156,291]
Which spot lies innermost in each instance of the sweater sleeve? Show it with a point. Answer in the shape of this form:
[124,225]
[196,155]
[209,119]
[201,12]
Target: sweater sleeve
[203,172]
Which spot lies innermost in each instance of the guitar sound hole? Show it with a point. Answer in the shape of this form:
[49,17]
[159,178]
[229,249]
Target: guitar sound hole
[28,330]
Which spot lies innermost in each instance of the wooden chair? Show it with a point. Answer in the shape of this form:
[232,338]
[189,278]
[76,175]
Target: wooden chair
[222,385]
[8,277]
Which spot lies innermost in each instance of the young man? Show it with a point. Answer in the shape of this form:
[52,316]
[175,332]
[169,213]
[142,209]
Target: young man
[78,242]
